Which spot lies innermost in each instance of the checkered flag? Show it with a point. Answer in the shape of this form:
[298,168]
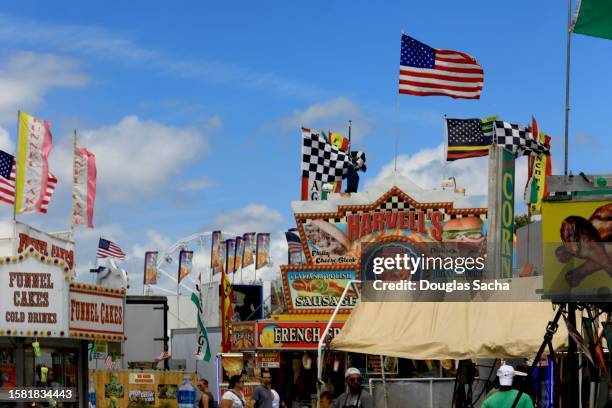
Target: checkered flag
[518,140]
[358,158]
[322,161]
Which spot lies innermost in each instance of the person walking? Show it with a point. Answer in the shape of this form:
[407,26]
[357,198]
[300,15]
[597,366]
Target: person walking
[233,397]
[355,396]
[504,398]
[263,395]
[204,397]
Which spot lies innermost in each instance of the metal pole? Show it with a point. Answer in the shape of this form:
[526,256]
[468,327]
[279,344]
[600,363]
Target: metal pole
[384,378]
[572,361]
[567,84]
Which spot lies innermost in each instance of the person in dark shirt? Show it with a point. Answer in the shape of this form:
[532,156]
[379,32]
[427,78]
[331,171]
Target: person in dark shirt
[263,395]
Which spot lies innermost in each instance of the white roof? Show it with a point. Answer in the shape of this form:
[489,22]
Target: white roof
[376,191]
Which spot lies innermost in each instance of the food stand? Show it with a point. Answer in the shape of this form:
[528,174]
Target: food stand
[46,319]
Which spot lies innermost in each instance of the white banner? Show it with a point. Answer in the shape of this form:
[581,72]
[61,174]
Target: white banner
[98,313]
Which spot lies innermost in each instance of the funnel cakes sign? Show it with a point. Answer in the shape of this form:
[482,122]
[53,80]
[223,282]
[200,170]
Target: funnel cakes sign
[335,238]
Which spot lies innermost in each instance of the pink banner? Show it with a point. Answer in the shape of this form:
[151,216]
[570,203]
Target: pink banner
[83,187]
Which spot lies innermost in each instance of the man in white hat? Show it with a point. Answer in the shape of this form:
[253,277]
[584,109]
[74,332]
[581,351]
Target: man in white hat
[355,396]
[504,398]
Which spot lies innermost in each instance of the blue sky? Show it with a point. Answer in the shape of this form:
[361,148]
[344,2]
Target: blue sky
[194,110]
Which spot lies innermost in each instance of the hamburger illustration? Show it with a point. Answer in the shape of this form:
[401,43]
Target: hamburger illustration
[467,229]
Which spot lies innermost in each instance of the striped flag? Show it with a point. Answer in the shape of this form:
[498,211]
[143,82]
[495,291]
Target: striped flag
[108,249]
[426,71]
[468,138]
[7,182]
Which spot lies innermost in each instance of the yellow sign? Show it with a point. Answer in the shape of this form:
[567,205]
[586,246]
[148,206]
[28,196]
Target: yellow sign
[577,248]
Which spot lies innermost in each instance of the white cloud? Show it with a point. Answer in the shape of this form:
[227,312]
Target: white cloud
[253,217]
[136,158]
[26,77]
[6,144]
[427,168]
[200,183]
[155,241]
[331,115]
[107,45]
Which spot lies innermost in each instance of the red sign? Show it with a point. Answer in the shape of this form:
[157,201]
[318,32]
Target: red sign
[292,335]
[268,359]
[243,336]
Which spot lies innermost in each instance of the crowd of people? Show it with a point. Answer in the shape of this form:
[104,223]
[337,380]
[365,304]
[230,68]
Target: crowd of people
[264,396]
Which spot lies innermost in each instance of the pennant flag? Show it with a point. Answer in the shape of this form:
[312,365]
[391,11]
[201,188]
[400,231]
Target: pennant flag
[34,143]
[185,264]
[83,187]
[468,138]
[196,298]
[222,255]
[594,18]
[227,300]
[295,254]
[239,253]
[426,71]
[262,251]
[230,246]
[322,162]
[248,256]
[339,141]
[539,168]
[150,268]
[108,249]
[8,169]
[215,258]
[518,139]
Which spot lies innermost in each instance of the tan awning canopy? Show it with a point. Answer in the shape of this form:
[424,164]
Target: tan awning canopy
[449,330]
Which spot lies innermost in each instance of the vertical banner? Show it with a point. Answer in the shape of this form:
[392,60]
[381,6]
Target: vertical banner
[230,246]
[542,167]
[227,300]
[215,259]
[201,353]
[295,253]
[32,179]
[262,252]
[507,213]
[222,255]
[248,256]
[185,264]
[239,253]
[150,268]
[83,187]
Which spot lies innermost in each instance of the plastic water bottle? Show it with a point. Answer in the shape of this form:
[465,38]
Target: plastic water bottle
[92,394]
[186,393]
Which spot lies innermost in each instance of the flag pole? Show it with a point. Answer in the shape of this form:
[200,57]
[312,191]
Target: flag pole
[397,108]
[16,160]
[567,84]
[74,146]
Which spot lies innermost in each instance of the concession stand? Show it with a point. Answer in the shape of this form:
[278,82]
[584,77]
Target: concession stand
[47,319]
[332,233]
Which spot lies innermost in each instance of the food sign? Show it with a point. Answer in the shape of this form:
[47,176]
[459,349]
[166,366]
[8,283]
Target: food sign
[336,237]
[577,249]
[34,296]
[279,335]
[318,289]
[243,336]
[96,311]
[268,359]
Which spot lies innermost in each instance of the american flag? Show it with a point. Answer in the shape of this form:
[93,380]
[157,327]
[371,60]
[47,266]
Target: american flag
[426,71]
[163,356]
[8,168]
[108,249]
